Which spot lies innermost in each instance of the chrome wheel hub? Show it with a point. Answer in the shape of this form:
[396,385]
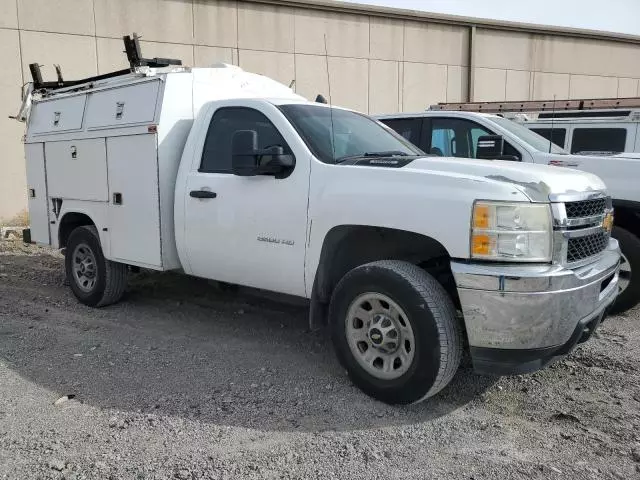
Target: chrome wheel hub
[380,336]
[383,333]
[83,263]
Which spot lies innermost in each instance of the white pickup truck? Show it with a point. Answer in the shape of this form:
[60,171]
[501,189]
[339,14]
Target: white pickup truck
[230,176]
[467,134]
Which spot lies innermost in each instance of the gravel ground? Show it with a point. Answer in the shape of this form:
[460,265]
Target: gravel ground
[184,380]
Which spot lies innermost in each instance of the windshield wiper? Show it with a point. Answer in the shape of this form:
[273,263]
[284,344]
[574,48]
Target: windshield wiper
[390,153]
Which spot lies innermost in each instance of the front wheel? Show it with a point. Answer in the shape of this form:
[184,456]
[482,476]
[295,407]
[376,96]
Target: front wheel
[94,280]
[629,282]
[395,331]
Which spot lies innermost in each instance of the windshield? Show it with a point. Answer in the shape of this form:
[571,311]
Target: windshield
[536,141]
[354,134]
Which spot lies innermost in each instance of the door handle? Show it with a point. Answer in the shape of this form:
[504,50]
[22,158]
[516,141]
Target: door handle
[202,194]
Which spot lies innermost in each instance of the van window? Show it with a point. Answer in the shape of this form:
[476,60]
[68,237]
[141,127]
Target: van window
[559,134]
[598,140]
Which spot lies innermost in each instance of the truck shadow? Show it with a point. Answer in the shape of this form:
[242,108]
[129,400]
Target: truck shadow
[180,346]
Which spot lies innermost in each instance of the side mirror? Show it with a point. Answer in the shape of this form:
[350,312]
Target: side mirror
[490,147]
[247,160]
[244,145]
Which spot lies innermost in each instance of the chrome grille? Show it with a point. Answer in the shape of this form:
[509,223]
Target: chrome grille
[586,208]
[584,247]
[579,232]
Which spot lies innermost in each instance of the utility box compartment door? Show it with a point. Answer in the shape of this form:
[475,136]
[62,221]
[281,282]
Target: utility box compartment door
[134,208]
[77,169]
[61,115]
[122,106]
[37,193]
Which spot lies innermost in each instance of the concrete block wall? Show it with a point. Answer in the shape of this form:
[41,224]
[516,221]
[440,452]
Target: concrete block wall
[376,64]
[526,66]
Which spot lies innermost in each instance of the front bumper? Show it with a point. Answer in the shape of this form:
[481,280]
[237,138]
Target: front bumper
[519,318]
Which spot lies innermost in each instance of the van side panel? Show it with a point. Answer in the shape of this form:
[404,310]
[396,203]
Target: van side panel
[133,212]
[77,169]
[37,193]
[57,115]
[174,125]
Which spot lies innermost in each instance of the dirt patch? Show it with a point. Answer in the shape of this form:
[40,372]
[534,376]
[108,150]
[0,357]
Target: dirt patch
[186,380]
[20,219]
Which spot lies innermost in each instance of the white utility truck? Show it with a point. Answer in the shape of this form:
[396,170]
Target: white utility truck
[467,131]
[231,176]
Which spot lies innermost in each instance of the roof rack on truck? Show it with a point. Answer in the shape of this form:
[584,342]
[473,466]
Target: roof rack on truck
[134,55]
[541,105]
[138,66]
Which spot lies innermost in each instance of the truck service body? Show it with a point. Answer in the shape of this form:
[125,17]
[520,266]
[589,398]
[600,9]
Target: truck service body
[231,176]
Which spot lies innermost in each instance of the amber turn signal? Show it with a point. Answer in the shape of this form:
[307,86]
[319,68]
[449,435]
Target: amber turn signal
[480,244]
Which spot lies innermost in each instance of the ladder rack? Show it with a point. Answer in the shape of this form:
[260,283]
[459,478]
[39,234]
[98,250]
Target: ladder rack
[134,56]
[541,105]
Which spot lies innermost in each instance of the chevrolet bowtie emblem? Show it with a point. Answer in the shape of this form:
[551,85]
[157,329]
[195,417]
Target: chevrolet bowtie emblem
[607,222]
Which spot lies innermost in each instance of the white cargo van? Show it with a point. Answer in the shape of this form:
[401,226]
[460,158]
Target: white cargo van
[606,127]
[227,175]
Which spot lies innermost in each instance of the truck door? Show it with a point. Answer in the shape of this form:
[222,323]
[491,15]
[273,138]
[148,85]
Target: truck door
[247,230]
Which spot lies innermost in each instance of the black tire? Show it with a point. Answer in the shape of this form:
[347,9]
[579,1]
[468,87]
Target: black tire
[431,314]
[110,277]
[630,247]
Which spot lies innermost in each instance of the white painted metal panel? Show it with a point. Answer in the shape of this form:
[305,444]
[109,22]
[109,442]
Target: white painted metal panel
[52,116]
[37,193]
[175,123]
[77,169]
[123,105]
[226,238]
[134,209]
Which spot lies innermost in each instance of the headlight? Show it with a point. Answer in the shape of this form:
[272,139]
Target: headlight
[511,232]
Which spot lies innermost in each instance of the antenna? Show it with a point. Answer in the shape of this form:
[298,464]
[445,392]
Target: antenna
[553,116]
[333,131]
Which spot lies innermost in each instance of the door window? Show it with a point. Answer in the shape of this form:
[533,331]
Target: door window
[216,155]
[598,140]
[455,137]
[409,128]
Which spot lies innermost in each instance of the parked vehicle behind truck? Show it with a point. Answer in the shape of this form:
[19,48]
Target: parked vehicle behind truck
[231,176]
[600,126]
[463,133]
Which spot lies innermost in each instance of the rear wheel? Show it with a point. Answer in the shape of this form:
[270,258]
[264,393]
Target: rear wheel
[95,281]
[395,331]
[629,282]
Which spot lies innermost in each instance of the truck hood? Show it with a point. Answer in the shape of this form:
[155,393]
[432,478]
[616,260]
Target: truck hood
[537,182]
